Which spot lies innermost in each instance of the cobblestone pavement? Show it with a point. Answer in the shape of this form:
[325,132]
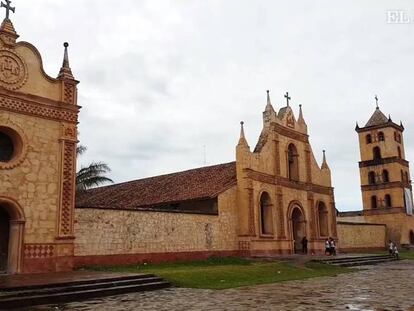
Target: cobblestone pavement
[384,287]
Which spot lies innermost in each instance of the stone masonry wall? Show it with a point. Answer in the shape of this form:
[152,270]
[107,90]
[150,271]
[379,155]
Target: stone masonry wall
[34,184]
[353,236]
[113,232]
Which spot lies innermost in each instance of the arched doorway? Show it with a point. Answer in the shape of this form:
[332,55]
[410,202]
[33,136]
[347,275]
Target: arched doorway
[11,236]
[298,229]
[4,239]
[412,237]
[293,162]
[266,218]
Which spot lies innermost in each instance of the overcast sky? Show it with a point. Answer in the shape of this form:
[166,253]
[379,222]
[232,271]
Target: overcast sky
[162,79]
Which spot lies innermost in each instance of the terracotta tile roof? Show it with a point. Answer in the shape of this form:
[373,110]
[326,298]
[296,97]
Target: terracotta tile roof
[377,118]
[200,183]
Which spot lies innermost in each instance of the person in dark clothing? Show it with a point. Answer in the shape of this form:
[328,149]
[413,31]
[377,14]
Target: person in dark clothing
[304,245]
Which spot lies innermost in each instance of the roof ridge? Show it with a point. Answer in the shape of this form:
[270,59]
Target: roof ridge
[163,175]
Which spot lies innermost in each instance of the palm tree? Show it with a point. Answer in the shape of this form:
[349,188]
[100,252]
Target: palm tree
[92,175]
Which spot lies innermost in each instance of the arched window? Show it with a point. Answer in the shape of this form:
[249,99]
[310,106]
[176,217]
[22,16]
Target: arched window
[407,178]
[381,136]
[6,147]
[376,153]
[374,202]
[399,152]
[293,163]
[399,138]
[402,175]
[395,136]
[385,176]
[323,219]
[368,138]
[371,178]
[388,202]
[266,222]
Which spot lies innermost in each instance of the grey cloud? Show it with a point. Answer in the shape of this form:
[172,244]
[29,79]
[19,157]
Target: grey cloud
[160,79]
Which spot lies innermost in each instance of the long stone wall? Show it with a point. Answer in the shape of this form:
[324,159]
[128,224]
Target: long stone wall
[121,236]
[355,236]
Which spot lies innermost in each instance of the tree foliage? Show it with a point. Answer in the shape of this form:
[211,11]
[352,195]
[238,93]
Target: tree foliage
[92,175]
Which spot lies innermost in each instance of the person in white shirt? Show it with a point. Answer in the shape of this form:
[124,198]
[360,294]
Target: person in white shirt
[391,247]
[327,247]
[395,252]
[332,246]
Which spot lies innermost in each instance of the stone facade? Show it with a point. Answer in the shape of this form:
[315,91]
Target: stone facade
[283,194]
[38,119]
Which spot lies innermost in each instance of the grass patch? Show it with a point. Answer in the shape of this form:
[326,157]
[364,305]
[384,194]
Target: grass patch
[407,254]
[221,273]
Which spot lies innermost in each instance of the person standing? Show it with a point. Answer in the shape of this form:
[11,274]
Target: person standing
[332,246]
[304,245]
[395,252]
[327,247]
[390,247]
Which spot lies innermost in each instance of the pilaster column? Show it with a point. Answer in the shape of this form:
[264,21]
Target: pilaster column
[312,216]
[251,222]
[281,215]
[308,164]
[333,219]
[276,144]
[68,182]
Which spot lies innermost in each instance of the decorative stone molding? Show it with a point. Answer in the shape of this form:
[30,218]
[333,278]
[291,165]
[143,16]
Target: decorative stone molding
[39,250]
[69,132]
[285,182]
[20,144]
[38,110]
[13,70]
[68,190]
[290,133]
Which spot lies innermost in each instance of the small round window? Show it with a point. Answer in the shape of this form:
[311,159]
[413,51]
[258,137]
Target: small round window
[6,147]
[11,148]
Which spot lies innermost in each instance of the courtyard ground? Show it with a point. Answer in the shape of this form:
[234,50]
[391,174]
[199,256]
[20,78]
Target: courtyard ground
[222,273]
[383,287]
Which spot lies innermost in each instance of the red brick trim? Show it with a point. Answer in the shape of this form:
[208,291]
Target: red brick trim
[43,109]
[50,264]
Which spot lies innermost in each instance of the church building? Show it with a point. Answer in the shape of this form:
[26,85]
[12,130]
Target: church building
[38,137]
[264,203]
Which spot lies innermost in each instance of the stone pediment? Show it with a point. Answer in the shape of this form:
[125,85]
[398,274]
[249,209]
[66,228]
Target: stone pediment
[21,68]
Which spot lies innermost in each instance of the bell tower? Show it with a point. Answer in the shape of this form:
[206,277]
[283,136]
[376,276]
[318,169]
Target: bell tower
[38,137]
[384,171]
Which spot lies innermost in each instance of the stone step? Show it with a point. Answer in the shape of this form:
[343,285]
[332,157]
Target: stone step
[77,292]
[78,287]
[363,262]
[350,259]
[76,282]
